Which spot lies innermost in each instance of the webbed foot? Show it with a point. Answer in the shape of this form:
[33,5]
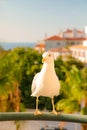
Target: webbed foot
[54,112]
[37,112]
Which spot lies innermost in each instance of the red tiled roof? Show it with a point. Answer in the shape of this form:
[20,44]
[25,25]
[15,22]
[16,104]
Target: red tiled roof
[40,45]
[70,31]
[76,38]
[60,38]
[54,38]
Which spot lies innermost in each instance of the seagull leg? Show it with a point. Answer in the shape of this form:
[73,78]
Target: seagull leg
[37,112]
[53,111]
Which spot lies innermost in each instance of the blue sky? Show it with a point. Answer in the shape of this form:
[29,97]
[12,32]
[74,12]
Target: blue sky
[32,20]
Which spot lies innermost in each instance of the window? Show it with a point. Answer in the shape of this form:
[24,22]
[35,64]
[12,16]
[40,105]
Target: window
[58,43]
[83,53]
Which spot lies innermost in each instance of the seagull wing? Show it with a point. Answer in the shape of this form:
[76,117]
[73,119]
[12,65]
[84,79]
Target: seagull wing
[33,87]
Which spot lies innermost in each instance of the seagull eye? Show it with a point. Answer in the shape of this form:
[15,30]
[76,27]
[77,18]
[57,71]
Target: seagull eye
[49,55]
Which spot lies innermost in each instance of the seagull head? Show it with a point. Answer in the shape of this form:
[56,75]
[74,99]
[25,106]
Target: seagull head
[48,57]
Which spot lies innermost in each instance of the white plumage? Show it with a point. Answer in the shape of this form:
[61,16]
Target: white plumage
[46,83]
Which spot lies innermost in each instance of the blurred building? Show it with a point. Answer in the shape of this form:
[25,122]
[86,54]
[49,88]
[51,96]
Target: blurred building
[40,46]
[66,38]
[68,42]
[80,51]
[61,51]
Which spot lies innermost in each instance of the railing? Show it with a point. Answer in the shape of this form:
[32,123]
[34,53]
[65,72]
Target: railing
[11,116]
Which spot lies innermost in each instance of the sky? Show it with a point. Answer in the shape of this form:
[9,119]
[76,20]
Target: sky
[33,20]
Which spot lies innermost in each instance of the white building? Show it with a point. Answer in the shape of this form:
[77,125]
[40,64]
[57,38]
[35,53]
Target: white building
[40,47]
[64,52]
[80,51]
[66,38]
[56,41]
[73,33]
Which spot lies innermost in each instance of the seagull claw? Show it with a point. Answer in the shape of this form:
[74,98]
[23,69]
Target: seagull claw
[54,112]
[37,112]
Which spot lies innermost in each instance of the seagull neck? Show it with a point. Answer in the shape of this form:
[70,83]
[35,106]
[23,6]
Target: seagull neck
[48,66]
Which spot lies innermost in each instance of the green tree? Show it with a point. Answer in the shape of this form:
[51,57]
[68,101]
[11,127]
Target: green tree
[25,63]
[74,90]
[72,61]
[1,48]
[58,68]
[32,65]
[18,68]
[5,86]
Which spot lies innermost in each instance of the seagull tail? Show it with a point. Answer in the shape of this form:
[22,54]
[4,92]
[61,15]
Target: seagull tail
[32,95]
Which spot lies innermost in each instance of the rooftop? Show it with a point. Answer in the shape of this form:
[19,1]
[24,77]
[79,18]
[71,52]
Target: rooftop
[55,37]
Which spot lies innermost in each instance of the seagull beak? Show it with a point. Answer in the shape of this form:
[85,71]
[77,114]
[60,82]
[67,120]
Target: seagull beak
[44,59]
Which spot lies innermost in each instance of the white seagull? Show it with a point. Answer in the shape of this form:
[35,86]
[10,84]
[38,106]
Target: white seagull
[46,82]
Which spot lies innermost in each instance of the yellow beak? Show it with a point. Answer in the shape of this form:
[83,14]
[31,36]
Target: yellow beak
[43,60]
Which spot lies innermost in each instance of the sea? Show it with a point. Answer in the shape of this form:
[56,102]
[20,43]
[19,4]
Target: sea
[11,45]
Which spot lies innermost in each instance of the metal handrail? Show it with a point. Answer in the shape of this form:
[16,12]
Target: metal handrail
[10,116]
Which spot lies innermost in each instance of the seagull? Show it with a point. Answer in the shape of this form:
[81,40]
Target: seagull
[46,83]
